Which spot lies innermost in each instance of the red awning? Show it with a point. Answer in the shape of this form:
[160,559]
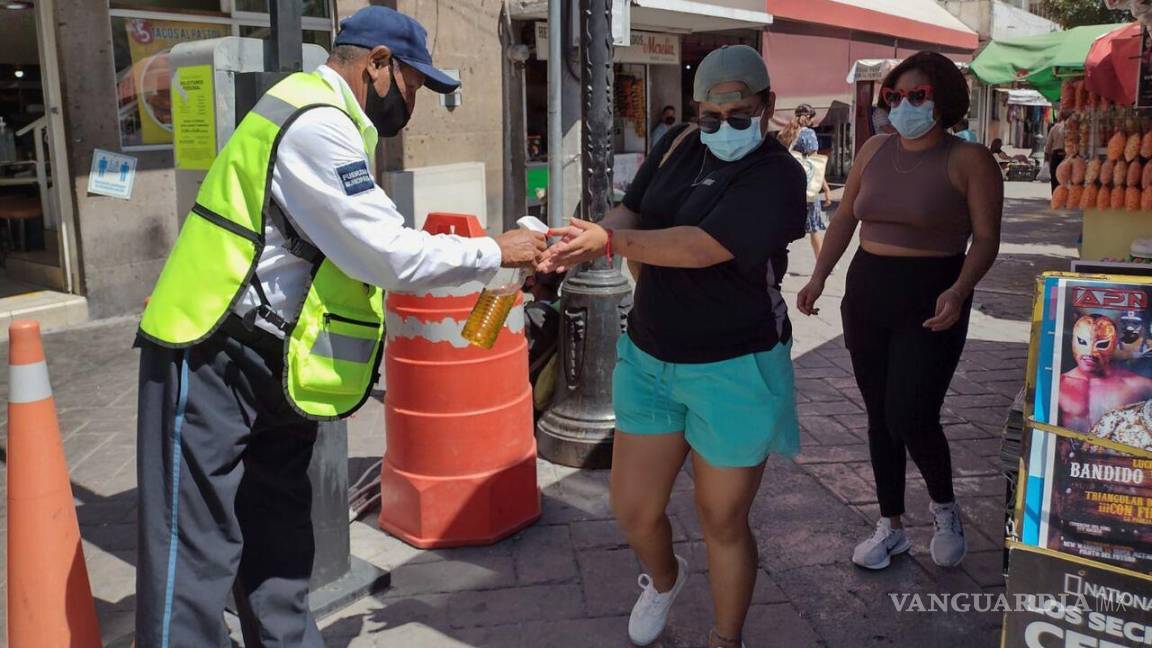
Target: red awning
[922,21]
[1113,65]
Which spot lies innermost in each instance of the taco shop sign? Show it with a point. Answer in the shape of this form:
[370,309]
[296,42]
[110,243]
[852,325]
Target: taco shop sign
[652,48]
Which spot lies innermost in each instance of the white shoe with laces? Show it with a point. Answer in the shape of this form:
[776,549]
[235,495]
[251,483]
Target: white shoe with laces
[948,544]
[650,614]
[876,552]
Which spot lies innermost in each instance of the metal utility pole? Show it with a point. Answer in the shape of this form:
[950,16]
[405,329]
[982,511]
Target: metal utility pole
[578,430]
[338,578]
[556,212]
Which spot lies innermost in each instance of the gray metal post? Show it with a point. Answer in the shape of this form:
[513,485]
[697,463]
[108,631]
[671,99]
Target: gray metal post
[577,430]
[338,578]
[556,212]
[284,50]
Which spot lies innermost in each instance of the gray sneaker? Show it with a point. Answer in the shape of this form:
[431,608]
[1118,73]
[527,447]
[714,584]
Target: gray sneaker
[948,543]
[876,552]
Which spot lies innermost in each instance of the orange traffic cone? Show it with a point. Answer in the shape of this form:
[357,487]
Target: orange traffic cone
[49,599]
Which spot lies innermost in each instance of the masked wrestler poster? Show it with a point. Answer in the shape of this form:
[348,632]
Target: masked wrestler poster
[1095,358]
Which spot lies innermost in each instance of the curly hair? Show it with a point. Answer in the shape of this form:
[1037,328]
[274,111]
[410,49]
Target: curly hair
[949,87]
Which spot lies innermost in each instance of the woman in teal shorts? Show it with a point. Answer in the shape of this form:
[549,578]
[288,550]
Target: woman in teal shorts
[705,369]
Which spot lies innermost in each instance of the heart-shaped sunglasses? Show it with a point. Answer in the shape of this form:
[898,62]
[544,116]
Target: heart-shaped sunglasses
[916,96]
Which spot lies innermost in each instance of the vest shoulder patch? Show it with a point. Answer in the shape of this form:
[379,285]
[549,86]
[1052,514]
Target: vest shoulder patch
[355,177]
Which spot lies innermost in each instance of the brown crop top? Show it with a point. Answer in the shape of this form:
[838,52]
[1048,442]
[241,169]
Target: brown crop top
[906,199]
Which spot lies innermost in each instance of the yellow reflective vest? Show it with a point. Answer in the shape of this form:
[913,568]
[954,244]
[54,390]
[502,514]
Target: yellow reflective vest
[334,342]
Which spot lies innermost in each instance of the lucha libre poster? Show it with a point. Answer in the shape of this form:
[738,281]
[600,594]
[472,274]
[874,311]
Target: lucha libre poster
[1093,363]
[1088,501]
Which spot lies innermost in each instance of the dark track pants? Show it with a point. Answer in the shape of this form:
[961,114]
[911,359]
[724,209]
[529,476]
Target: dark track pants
[224,497]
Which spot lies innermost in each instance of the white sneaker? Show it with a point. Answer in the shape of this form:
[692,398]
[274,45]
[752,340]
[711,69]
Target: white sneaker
[948,544]
[876,552]
[650,613]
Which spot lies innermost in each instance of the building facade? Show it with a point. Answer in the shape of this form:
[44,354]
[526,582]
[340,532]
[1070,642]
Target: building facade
[1000,20]
[90,96]
[94,84]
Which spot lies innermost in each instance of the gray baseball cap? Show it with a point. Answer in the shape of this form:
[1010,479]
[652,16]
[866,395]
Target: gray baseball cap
[730,63]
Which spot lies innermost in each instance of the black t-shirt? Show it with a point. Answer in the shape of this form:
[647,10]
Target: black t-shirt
[754,207]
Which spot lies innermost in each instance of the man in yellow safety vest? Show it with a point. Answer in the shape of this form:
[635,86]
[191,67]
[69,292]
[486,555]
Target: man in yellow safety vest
[267,318]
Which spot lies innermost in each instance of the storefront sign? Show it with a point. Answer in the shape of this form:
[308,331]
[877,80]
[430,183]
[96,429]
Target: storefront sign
[194,118]
[650,47]
[647,47]
[112,174]
[1068,604]
[149,42]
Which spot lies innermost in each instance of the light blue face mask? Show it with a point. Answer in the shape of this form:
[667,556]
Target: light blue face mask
[730,144]
[913,122]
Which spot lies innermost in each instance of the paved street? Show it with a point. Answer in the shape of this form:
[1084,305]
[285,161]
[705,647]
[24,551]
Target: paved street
[570,580]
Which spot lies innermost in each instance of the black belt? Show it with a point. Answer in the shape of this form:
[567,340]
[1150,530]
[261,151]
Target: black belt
[255,337]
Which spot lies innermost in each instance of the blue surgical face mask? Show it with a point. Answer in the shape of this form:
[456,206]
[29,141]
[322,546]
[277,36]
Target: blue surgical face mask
[913,122]
[730,144]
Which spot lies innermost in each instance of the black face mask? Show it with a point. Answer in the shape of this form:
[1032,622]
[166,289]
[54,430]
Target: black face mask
[389,114]
[670,120]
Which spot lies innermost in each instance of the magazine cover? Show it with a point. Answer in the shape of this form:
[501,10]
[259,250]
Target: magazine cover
[1088,501]
[1052,601]
[1093,357]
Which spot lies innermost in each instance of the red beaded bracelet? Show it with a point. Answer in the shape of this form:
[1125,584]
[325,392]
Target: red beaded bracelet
[608,245]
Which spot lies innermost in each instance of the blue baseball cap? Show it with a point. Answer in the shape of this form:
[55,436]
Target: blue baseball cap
[374,26]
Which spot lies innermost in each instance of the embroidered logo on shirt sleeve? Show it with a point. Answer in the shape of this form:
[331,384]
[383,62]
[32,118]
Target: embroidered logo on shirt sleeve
[355,177]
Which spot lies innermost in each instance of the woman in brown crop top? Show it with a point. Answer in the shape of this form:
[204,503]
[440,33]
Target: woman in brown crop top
[929,208]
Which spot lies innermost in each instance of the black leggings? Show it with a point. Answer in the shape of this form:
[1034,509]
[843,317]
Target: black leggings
[902,368]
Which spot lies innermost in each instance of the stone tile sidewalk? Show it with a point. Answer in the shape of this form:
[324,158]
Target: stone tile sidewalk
[570,579]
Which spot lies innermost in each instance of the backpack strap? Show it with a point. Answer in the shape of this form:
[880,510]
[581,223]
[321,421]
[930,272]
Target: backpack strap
[295,245]
[293,242]
[691,128]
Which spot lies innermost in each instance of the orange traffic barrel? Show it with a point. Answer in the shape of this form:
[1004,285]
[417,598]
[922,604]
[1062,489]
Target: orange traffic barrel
[460,466]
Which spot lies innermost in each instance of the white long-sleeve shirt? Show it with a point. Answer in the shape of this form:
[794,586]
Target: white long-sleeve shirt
[322,182]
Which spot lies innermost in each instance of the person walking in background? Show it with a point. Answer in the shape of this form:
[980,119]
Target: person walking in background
[920,196]
[667,121]
[799,136]
[705,369]
[1054,149]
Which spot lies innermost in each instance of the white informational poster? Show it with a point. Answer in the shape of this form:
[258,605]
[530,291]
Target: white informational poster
[112,174]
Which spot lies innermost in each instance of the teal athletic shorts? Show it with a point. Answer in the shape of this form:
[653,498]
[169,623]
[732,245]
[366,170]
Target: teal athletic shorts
[733,413]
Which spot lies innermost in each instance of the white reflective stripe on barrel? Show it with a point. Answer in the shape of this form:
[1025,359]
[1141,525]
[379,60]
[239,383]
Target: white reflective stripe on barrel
[464,290]
[28,383]
[446,330]
[470,288]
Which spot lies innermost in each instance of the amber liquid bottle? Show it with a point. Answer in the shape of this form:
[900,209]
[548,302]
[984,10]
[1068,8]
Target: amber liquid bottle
[498,298]
[487,318]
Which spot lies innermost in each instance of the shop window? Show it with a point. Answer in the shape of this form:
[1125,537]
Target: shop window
[144,32]
[141,48]
[315,37]
[312,8]
[206,6]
